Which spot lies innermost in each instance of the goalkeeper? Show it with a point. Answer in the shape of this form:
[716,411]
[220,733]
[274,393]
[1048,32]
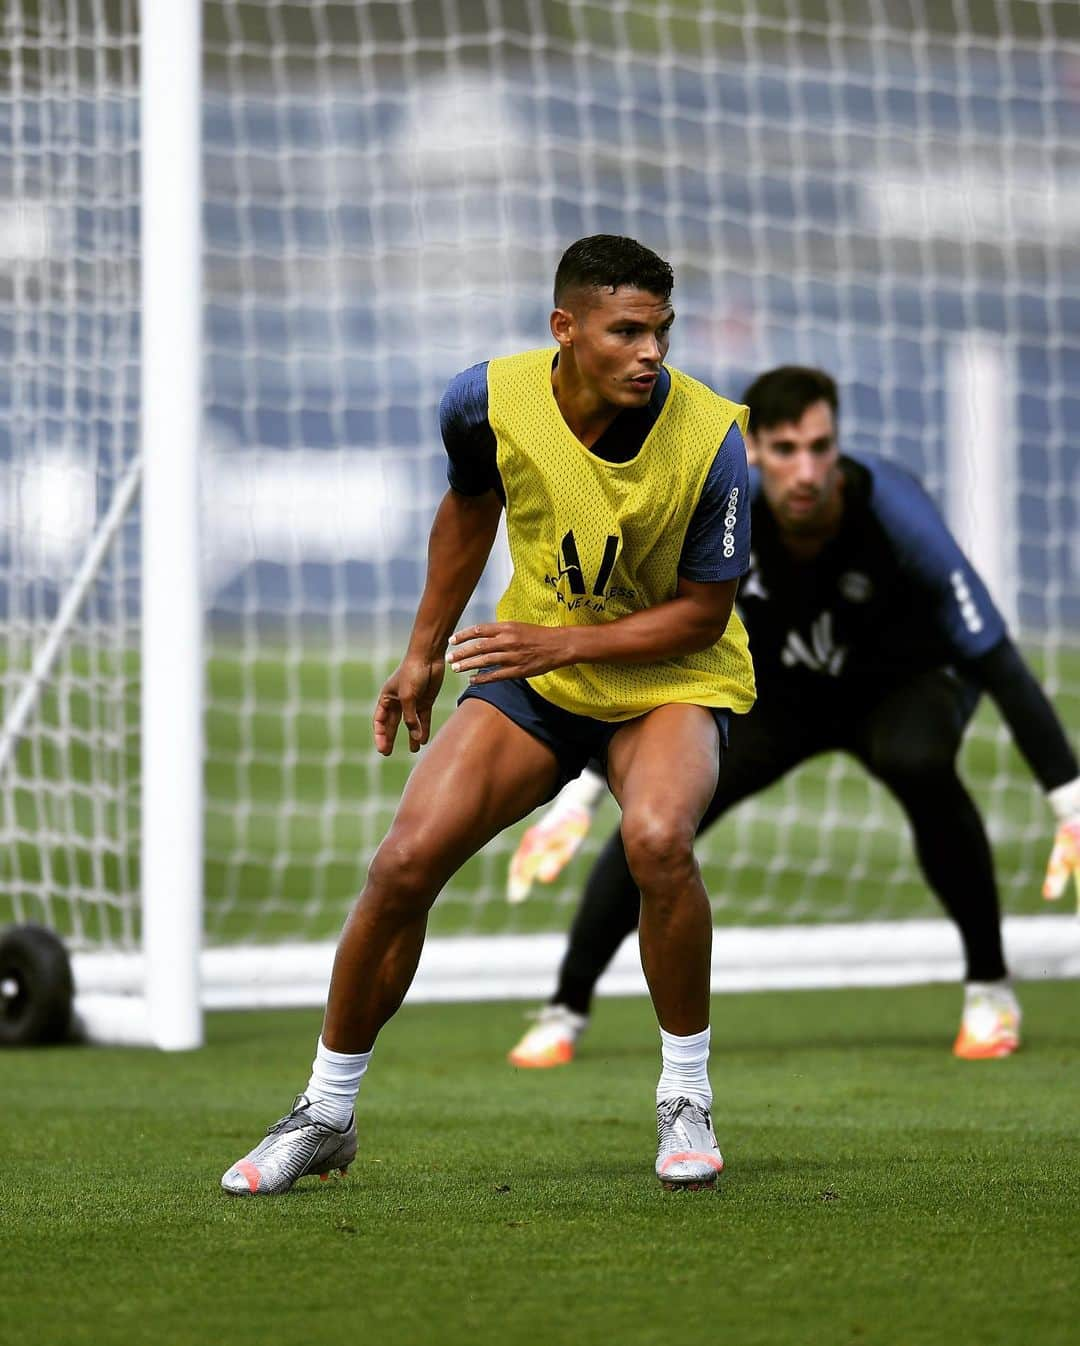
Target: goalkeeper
[871,635]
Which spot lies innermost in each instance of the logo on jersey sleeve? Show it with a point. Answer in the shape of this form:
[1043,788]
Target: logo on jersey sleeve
[570,581]
[730,519]
[822,655]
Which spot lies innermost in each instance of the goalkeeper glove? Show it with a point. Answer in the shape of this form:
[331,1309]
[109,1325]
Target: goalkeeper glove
[1065,857]
[548,846]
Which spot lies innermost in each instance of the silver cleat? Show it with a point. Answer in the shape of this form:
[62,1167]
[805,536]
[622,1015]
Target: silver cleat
[687,1155]
[294,1147]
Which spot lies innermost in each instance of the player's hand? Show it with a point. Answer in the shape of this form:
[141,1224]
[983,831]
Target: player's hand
[408,694]
[1064,860]
[1065,857]
[548,846]
[495,651]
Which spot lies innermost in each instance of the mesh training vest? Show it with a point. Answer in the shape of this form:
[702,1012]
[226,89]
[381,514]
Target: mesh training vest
[591,540]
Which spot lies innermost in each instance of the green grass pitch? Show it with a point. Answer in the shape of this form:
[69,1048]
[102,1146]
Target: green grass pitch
[877,1190]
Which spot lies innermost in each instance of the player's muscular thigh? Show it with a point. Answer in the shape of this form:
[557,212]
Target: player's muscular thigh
[663,771]
[480,774]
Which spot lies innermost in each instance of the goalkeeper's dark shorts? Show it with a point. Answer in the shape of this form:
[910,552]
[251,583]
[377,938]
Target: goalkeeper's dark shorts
[576,740]
[908,732]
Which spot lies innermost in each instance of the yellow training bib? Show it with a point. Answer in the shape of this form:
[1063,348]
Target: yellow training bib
[592,540]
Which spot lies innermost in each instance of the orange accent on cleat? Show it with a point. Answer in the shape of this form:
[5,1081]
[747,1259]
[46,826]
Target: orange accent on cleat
[324,1177]
[344,1170]
[713,1160]
[970,1048]
[250,1173]
[557,1054]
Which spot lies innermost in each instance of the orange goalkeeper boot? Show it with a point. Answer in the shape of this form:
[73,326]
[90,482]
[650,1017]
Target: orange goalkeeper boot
[551,1041]
[990,1027]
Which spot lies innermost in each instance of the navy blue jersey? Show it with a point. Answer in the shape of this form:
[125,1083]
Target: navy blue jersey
[890,595]
[717,542]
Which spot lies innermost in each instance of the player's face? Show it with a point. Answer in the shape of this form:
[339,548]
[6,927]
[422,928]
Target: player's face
[800,469]
[617,340]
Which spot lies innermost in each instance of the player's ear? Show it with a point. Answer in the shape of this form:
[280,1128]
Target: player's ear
[751,442]
[562,326]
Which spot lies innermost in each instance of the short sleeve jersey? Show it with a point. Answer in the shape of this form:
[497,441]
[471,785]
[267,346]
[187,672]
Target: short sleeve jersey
[717,543]
[890,596]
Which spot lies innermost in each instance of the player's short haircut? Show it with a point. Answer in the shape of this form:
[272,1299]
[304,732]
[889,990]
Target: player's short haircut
[781,396]
[608,262]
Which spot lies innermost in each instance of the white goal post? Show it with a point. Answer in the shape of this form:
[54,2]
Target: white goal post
[158,997]
[172,615]
[242,250]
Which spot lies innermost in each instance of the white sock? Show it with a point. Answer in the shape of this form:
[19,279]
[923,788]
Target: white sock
[334,1084]
[990,990]
[686,1068]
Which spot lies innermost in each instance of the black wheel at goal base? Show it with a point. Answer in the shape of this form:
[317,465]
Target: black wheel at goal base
[36,989]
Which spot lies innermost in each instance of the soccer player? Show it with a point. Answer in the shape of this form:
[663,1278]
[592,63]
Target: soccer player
[625,485]
[871,635]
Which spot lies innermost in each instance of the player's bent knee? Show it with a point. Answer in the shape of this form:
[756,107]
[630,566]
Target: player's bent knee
[403,877]
[657,847]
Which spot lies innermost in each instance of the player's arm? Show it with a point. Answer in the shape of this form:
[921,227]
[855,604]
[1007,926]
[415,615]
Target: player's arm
[693,620]
[973,627]
[458,548]
[460,543]
[1044,745]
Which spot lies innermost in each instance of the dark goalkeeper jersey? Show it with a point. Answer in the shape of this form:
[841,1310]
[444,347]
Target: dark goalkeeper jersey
[891,595]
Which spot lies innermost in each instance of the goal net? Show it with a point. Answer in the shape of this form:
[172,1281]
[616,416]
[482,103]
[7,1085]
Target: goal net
[386,189]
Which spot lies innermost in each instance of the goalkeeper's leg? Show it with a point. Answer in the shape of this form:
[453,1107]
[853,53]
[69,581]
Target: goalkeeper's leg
[910,741]
[607,914]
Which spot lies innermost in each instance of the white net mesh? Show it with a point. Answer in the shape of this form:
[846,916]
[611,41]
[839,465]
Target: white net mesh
[69,312]
[387,190]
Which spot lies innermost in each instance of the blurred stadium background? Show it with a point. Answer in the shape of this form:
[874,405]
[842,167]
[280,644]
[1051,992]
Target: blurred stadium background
[386,190]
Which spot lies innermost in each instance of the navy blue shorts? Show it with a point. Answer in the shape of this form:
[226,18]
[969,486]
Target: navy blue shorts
[576,740]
